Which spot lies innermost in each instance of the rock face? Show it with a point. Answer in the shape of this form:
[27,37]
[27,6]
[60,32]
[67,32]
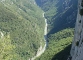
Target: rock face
[77,45]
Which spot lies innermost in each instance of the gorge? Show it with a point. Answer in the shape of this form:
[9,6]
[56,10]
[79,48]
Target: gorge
[41,49]
[41,29]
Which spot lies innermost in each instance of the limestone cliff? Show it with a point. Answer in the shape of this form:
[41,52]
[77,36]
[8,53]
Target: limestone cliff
[77,45]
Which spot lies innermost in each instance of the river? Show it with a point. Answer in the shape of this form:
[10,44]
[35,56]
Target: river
[41,50]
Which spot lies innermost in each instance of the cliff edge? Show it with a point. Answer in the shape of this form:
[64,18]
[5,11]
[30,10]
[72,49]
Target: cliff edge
[77,44]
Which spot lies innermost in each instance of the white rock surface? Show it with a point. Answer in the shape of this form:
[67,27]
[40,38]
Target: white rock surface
[77,45]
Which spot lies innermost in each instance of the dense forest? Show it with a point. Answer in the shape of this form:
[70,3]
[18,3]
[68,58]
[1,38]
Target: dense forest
[61,17]
[58,46]
[20,22]
[22,28]
[61,14]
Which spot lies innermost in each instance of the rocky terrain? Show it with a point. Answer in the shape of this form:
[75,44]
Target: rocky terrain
[77,45]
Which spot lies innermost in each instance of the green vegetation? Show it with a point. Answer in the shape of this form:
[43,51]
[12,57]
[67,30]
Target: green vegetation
[22,20]
[82,40]
[22,24]
[62,34]
[57,43]
[6,48]
[81,11]
[77,43]
[59,14]
[80,21]
[82,3]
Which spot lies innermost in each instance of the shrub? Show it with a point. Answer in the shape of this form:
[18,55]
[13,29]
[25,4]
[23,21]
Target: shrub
[79,21]
[82,4]
[82,40]
[77,43]
[81,11]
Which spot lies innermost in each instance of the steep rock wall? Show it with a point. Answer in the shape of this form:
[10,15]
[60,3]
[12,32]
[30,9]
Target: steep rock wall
[77,45]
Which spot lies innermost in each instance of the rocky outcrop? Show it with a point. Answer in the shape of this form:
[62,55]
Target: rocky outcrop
[77,45]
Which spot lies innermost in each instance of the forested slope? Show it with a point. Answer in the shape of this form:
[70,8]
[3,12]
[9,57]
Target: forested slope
[61,18]
[58,46]
[60,14]
[20,32]
[22,28]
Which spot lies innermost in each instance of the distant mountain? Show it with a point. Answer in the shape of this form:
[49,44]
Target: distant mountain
[20,32]
[61,14]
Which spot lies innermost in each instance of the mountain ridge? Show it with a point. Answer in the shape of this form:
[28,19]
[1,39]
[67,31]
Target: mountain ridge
[61,14]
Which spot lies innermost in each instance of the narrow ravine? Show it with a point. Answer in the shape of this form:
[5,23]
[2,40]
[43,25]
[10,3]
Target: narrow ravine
[41,50]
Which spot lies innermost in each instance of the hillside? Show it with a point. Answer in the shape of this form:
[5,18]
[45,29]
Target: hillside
[61,18]
[24,25]
[58,46]
[20,32]
[60,14]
